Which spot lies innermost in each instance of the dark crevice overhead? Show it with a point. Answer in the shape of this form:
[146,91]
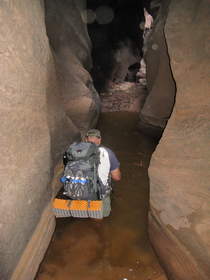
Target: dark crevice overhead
[115,25]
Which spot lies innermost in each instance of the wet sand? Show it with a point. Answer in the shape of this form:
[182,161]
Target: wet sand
[117,247]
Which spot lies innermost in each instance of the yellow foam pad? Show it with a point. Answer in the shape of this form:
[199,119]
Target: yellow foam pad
[66,204]
[95,205]
[79,205]
[61,204]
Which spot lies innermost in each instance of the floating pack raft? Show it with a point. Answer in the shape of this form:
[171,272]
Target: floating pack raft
[78,208]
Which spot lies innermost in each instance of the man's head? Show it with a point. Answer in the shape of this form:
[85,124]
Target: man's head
[94,136]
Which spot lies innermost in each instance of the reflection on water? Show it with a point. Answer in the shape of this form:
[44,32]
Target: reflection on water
[117,247]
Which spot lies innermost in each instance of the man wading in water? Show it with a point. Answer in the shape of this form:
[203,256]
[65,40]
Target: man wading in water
[109,167]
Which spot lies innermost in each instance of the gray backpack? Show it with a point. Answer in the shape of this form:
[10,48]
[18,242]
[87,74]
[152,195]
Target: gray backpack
[80,174]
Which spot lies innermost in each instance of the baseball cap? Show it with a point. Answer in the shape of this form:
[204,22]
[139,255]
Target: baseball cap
[93,133]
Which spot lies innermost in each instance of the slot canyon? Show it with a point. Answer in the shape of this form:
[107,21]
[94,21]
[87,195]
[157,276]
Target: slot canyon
[139,71]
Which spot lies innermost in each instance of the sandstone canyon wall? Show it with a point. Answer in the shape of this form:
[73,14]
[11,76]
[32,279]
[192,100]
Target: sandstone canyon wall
[160,82]
[36,125]
[66,29]
[179,171]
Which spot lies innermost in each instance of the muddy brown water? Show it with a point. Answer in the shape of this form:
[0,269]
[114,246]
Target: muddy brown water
[116,248]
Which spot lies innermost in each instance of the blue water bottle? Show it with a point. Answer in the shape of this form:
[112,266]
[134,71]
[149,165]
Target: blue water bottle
[63,179]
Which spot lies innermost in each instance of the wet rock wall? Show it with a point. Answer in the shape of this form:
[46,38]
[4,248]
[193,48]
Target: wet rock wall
[179,171]
[36,124]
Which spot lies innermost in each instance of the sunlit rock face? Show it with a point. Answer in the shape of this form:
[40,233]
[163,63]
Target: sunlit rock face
[179,171]
[36,124]
[67,32]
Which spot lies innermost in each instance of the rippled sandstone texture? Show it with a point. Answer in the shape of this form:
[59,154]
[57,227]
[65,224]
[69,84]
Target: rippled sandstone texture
[36,125]
[179,171]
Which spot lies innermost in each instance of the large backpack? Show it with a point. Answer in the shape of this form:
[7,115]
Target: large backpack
[80,174]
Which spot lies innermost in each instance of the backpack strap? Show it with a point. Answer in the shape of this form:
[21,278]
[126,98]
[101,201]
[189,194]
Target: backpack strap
[95,177]
[96,164]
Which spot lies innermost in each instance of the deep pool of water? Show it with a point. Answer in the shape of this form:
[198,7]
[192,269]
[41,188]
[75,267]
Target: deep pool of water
[116,248]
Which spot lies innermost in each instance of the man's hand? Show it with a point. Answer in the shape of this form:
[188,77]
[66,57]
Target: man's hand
[116,174]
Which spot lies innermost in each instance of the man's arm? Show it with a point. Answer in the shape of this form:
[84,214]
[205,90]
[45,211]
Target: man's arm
[116,174]
[114,166]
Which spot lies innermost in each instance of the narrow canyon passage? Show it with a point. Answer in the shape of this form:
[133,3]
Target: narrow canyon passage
[116,247]
[59,58]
